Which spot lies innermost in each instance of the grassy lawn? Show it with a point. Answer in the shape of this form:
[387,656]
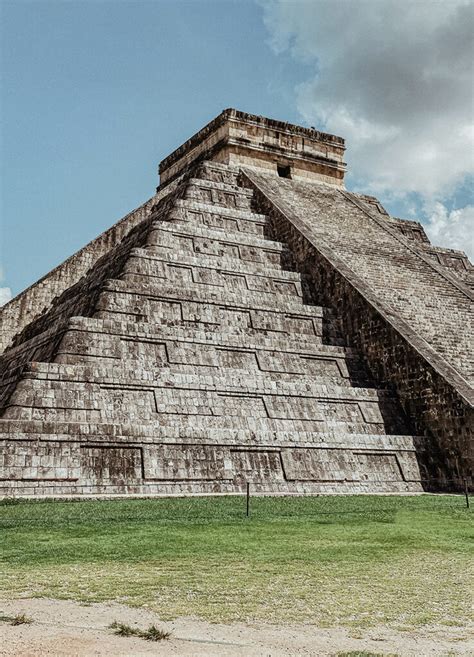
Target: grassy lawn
[354,561]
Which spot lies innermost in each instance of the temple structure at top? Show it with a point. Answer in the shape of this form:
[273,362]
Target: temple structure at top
[238,139]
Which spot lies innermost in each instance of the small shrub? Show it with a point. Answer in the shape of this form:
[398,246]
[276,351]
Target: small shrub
[153,633]
[121,629]
[21,619]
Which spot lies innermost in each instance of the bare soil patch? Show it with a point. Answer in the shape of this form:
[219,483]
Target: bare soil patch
[71,629]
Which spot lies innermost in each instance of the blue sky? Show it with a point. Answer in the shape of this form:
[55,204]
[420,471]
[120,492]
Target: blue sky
[95,94]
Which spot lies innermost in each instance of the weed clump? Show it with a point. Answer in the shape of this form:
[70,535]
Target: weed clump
[19,619]
[153,633]
[121,629]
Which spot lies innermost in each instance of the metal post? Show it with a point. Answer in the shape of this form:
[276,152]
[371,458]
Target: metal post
[248,499]
[466,491]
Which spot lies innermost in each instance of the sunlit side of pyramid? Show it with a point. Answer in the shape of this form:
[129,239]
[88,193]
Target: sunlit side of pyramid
[251,322]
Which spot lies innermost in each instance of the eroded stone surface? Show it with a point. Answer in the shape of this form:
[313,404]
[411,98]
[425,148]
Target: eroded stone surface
[242,328]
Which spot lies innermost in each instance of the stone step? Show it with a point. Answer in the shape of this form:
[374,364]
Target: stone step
[195,455]
[216,263]
[235,419]
[149,434]
[14,359]
[323,372]
[230,187]
[189,240]
[171,310]
[258,262]
[239,214]
[218,194]
[216,172]
[211,296]
[161,230]
[170,325]
[91,394]
[230,220]
[209,414]
[211,305]
[51,488]
[204,359]
[250,216]
[147,351]
[279,344]
[304,345]
[155,270]
[122,372]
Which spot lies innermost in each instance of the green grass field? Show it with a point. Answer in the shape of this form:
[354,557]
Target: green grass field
[356,561]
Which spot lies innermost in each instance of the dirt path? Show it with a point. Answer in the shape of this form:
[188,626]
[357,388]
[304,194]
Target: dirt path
[69,629]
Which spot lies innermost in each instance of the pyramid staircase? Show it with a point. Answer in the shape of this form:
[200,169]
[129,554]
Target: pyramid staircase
[192,359]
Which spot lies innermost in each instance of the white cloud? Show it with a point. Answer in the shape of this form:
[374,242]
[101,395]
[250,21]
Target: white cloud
[5,295]
[395,79]
[454,229]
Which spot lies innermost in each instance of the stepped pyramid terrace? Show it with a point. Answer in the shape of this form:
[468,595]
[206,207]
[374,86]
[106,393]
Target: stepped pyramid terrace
[252,321]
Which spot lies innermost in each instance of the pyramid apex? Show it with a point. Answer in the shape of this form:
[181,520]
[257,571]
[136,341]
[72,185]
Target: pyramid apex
[247,140]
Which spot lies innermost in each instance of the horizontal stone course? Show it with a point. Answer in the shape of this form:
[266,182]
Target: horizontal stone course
[189,212]
[219,264]
[141,271]
[137,434]
[255,301]
[168,232]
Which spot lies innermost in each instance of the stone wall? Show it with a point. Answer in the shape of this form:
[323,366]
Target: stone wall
[437,401]
[37,299]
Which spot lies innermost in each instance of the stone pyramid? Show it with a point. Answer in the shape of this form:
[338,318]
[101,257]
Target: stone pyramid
[252,322]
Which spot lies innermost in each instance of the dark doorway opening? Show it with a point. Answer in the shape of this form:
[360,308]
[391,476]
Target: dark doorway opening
[284,171]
